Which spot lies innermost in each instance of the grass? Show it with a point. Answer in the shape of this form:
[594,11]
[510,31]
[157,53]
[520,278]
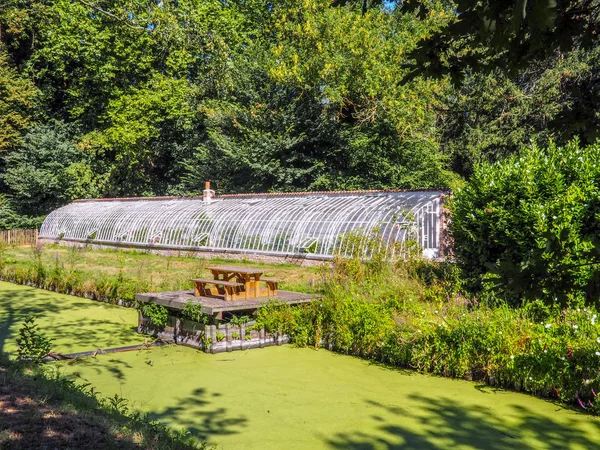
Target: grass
[75,324]
[41,412]
[286,397]
[171,272]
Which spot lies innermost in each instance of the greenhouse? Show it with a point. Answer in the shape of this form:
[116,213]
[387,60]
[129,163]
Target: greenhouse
[313,225]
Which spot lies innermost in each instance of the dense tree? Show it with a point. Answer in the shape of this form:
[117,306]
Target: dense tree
[492,116]
[48,170]
[146,97]
[312,110]
[506,34]
[17,95]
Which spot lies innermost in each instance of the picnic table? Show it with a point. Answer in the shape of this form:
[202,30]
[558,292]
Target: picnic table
[235,283]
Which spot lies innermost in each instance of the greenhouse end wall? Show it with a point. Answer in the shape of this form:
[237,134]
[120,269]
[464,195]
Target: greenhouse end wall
[307,226]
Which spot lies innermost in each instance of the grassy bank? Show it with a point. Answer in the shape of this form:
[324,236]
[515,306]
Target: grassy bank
[38,411]
[113,275]
[286,397]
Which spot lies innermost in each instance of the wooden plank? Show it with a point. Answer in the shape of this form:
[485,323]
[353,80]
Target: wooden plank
[220,282]
[241,270]
[213,305]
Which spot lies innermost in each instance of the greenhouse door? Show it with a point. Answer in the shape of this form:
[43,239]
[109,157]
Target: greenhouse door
[430,230]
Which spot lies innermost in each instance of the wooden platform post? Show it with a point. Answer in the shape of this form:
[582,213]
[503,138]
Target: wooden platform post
[213,338]
[228,337]
[242,336]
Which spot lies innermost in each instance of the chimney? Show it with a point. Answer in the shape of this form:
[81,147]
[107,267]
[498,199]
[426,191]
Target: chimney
[207,194]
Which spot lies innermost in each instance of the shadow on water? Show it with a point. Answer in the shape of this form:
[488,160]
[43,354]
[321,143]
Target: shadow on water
[444,423]
[16,305]
[56,320]
[91,334]
[200,414]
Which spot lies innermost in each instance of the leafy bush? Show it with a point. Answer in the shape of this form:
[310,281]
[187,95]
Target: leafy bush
[239,320]
[32,345]
[542,349]
[194,312]
[527,227]
[157,314]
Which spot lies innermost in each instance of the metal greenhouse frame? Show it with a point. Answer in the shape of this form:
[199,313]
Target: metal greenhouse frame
[315,225]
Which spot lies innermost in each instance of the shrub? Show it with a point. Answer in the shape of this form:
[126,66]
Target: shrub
[527,226]
[32,345]
[239,320]
[194,312]
[157,314]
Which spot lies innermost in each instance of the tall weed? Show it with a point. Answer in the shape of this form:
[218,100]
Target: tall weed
[390,315]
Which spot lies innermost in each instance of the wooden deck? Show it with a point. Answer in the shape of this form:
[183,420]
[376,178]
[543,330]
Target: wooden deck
[214,305]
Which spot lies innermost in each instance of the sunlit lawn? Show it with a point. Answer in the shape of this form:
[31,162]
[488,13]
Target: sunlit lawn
[162,272]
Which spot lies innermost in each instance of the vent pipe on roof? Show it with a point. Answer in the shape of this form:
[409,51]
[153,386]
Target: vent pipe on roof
[207,194]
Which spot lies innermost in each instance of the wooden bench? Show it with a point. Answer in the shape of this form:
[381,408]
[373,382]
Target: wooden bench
[229,288]
[272,285]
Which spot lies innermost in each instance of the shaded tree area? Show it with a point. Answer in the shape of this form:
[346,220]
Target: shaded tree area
[152,97]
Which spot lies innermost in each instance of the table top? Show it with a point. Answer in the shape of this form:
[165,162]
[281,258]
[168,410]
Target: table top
[244,270]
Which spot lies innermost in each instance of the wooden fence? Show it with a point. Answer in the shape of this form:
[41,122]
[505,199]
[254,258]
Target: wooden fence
[19,237]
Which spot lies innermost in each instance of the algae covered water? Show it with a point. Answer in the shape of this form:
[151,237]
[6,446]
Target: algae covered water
[285,397]
[74,324]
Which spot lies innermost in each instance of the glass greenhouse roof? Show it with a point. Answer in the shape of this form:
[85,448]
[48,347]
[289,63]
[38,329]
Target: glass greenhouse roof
[318,225]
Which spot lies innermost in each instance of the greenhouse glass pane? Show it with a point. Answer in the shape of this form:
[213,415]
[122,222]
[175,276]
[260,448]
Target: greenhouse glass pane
[318,225]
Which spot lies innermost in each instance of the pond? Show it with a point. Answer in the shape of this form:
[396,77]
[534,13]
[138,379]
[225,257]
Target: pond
[75,324]
[285,397]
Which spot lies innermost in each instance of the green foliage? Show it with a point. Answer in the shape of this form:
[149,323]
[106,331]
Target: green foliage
[239,320]
[275,316]
[527,227]
[17,97]
[555,358]
[509,34]
[311,110]
[491,116]
[11,220]
[157,314]
[32,344]
[194,312]
[47,170]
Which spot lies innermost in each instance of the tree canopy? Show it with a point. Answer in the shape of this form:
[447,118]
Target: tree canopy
[152,97]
